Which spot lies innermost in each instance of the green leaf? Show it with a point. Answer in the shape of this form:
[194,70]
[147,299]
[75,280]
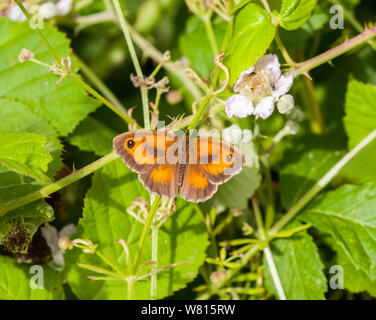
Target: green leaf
[348,214]
[17,117]
[25,153]
[62,106]
[359,121]
[297,38]
[93,135]
[195,45]
[30,216]
[354,280]
[236,193]
[294,13]
[252,35]
[299,267]
[15,282]
[303,164]
[182,238]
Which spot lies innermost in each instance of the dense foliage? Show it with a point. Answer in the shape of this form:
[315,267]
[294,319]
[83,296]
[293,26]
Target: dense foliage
[299,221]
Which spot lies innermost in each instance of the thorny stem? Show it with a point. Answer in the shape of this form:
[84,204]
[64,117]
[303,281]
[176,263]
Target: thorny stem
[136,63]
[88,72]
[199,113]
[304,67]
[100,98]
[75,77]
[349,16]
[323,182]
[53,187]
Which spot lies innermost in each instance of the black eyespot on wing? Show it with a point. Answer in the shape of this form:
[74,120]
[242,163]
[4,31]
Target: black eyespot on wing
[130,144]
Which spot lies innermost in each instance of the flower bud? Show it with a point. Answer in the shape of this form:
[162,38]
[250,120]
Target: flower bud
[25,55]
[285,103]
[291,127]
[232,134]
[174,97]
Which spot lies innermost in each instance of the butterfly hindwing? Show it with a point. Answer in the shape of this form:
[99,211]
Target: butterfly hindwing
[196,186]
[161,179]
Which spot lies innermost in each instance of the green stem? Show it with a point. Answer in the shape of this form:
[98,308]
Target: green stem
[283,49]
[145,232]
[136,63]
[270,194]
[304,67]
[103,100]
[154,257]
[210,33]
[199,113]
[41,35]
[100,85]
[53,187]
[323,182]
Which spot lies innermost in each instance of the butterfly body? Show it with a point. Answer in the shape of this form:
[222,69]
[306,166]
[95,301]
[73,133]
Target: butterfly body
[167,164]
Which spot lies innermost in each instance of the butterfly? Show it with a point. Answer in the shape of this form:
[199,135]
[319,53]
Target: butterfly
[167,163]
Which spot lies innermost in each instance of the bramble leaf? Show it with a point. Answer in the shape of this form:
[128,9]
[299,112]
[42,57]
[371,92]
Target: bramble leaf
[25,153]
[252,35]
[62,106]
[299,267]
[303,164]
[348,214]
[93,135]
[294,13]
[359,121]
[16,280]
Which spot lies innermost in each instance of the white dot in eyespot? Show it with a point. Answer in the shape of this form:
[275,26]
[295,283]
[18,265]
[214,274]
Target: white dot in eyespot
[165,182]
[193,187]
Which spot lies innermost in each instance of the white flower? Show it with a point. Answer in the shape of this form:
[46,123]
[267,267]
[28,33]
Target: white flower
[52,237]
[63,7]
[261,86]
[264,108]
[239,106]
[15,13]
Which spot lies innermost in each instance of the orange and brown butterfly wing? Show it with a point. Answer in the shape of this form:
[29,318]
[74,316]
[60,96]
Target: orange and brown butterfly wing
[145,152]
[196,186]
[220,160]
[143,147]
[161,179]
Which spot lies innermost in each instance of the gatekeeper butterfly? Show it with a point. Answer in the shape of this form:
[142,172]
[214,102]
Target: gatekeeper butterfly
[167,163]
